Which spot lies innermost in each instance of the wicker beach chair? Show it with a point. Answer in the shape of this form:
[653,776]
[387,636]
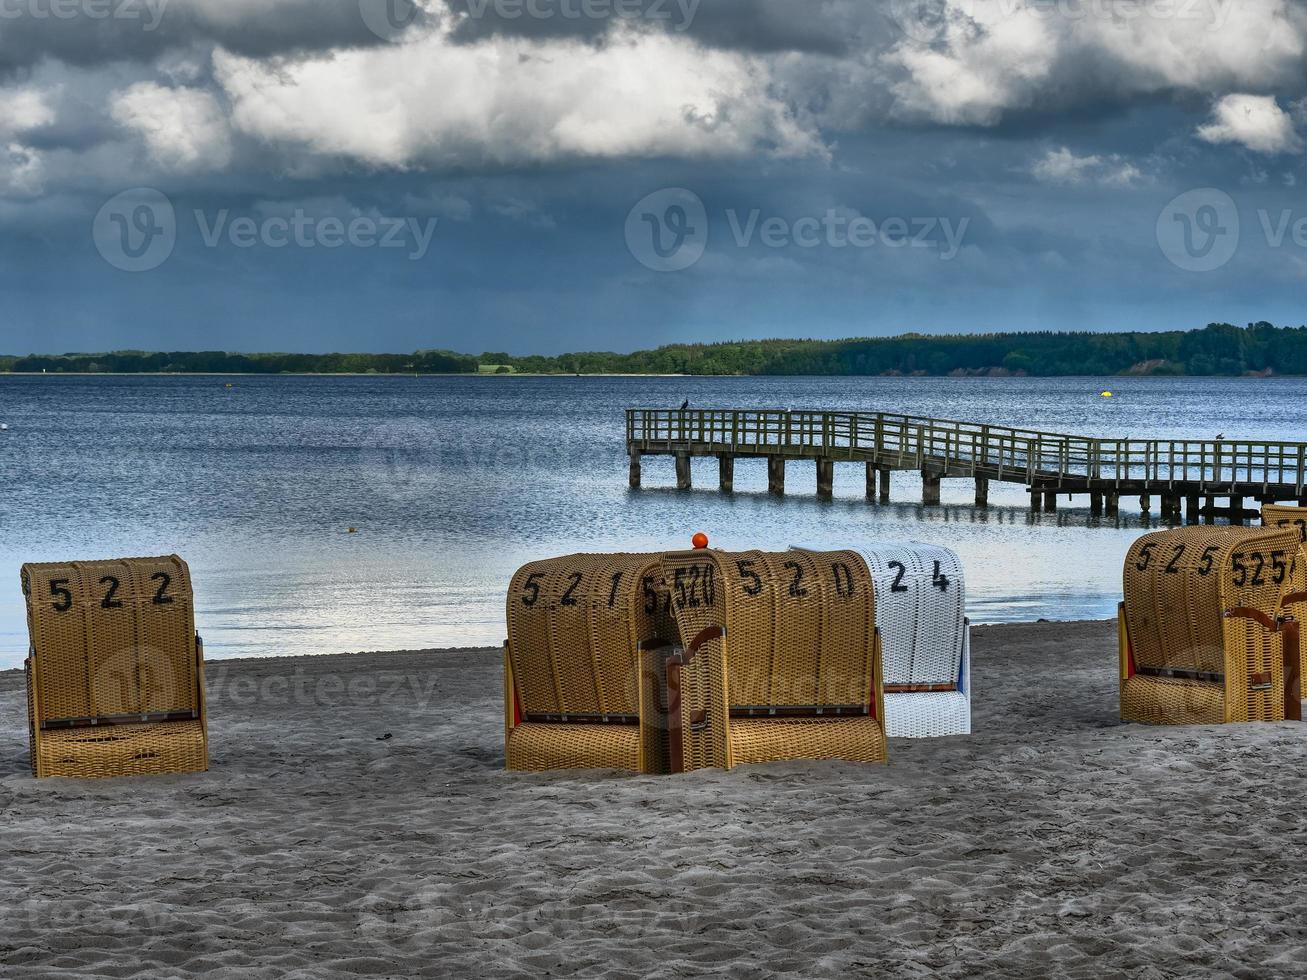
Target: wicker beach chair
[778,659]
[1199,635]
[583,665]
[115,679]
[1295,604]
[925,639]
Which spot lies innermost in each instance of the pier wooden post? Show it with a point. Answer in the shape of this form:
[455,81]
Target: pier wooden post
[871,481]
[1112,503]
[1192,515]
[1050,501]
[929,488]
[1036,501]
[1236,509]
[683,471]
[776,474]
[635,468]
[726,472]
[1209,509]
[884,484]
[1095,503]
[982,491]
[825,478]
[1171,506]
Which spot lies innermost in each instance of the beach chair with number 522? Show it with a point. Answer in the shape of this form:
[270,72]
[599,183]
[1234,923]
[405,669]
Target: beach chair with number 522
[115,678]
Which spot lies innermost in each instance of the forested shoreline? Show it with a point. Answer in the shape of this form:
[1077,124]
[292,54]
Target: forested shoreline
[1219,349]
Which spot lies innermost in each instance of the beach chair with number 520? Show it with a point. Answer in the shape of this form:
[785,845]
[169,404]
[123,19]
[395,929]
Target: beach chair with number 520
[778,659]
[115,678]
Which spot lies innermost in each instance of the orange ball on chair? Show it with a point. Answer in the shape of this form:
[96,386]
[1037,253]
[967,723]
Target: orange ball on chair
[700,541]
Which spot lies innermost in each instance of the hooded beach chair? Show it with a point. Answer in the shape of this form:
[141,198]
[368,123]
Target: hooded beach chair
[777,659]
[583,665]
[115,678]
[925,639]
[1200,636]
[1293,519]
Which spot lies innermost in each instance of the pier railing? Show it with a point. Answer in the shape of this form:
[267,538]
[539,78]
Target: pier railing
[959,448]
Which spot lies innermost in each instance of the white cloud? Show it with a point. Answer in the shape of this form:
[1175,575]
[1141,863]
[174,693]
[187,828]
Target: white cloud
[985,58]
[508,101]
[184,129]
[1061,166]
[23,110]
[1254,121]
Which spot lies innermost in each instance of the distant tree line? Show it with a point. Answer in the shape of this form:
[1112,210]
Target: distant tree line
[220,362]
[1218,349]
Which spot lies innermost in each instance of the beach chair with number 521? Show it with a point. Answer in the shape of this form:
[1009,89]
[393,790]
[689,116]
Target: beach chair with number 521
[115,678]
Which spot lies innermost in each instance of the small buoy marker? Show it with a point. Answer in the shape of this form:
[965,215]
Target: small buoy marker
[700,541]
[353,530]
[1107,394]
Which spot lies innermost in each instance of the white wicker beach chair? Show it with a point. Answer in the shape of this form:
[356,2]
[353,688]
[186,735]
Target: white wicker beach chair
[925,638]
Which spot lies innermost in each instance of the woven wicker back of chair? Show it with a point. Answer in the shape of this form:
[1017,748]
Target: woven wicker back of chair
[1293,519]
[112,638]
[920,607]
[1178,584]
[800,624]
[574,624]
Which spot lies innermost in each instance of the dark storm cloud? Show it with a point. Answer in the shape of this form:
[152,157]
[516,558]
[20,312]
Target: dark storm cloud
[831,27]
[85,33]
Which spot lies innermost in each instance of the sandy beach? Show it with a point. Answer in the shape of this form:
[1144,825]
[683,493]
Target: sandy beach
[357,821]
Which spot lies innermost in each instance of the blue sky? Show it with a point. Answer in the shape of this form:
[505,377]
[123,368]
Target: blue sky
[551,175]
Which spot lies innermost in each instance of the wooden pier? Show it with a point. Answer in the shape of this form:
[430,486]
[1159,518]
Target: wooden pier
[1048,465]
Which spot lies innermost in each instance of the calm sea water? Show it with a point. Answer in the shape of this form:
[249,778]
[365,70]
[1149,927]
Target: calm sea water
[452,483]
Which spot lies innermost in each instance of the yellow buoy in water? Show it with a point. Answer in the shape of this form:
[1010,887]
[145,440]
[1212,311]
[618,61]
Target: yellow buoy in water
[1107,394]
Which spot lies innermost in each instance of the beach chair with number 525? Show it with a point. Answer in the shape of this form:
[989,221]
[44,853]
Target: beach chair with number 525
[1202,637]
